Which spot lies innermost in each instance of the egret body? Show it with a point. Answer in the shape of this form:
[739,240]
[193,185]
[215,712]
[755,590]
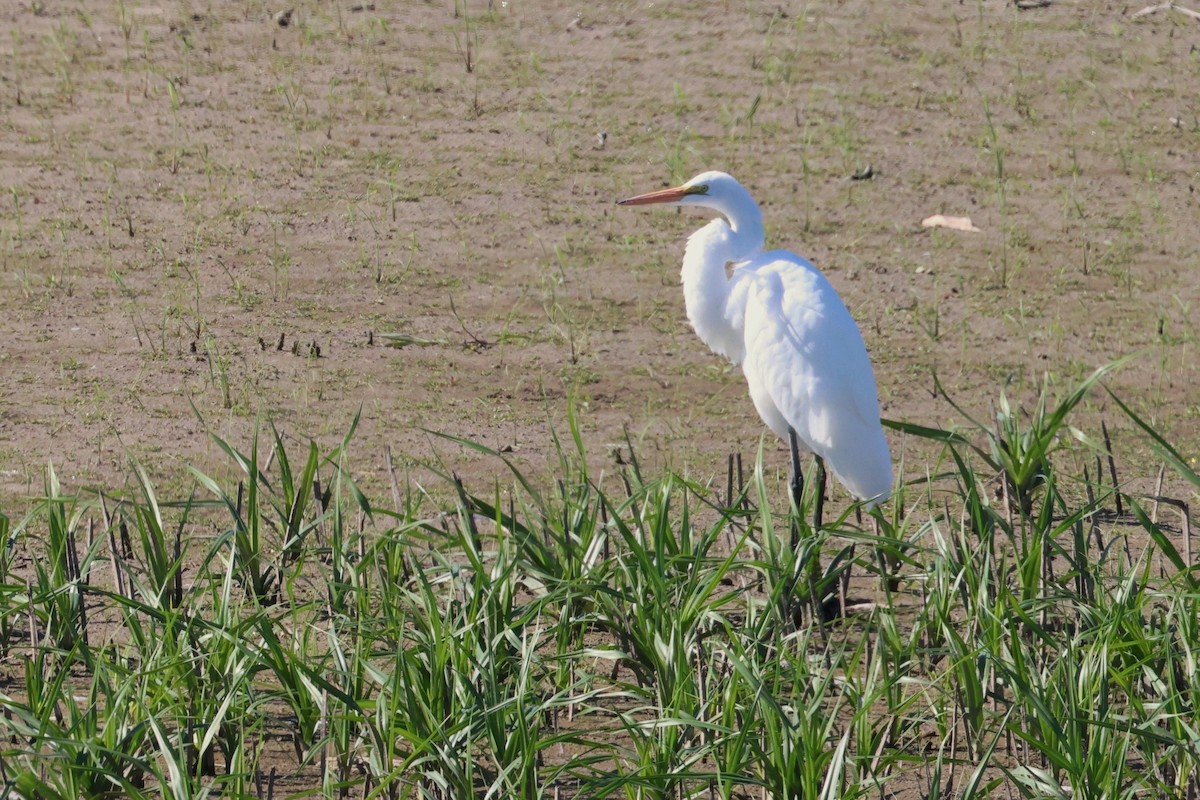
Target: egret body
[777,316]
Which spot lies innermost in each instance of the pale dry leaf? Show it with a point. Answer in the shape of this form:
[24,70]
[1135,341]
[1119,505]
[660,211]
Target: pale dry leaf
[954,223]
[1166,7]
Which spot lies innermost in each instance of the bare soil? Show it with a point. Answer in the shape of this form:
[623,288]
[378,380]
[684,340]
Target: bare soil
[189,185]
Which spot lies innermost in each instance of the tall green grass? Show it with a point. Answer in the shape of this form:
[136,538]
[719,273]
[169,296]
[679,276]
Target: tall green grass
[621,635]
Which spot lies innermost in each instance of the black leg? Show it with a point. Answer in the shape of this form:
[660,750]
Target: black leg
[818,515]
[797,485]
[827,608]
[830,606]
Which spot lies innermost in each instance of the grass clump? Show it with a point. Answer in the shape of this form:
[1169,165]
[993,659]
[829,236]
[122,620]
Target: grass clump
[622,635]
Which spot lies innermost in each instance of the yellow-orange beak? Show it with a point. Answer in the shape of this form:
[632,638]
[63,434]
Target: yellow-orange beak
[671,195]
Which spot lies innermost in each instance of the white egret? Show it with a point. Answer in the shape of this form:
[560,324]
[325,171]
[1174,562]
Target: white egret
[775,314]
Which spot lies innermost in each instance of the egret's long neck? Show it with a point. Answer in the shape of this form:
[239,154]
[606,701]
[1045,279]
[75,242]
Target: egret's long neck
[745,221]
[706,285]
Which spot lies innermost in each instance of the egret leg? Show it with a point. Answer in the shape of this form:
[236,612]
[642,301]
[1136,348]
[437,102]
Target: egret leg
[830,606]
[797,484]
[818,515]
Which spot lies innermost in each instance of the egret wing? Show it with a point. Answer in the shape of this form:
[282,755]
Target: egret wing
[808,368]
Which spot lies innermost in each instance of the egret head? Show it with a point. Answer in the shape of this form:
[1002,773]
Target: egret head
[707,189]
[721,193]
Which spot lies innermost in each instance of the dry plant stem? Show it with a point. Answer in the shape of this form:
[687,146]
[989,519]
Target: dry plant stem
[729,482]
[741,480]
[33,629]
[76,578]
[113,559]
[1112,467]
[1093,525]
[1158,484]
[397,503]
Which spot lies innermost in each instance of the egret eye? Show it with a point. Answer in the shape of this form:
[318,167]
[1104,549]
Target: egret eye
[701,189]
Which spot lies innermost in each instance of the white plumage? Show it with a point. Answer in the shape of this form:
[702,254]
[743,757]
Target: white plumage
[777,315]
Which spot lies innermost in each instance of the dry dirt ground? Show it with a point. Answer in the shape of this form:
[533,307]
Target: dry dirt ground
[210,218]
